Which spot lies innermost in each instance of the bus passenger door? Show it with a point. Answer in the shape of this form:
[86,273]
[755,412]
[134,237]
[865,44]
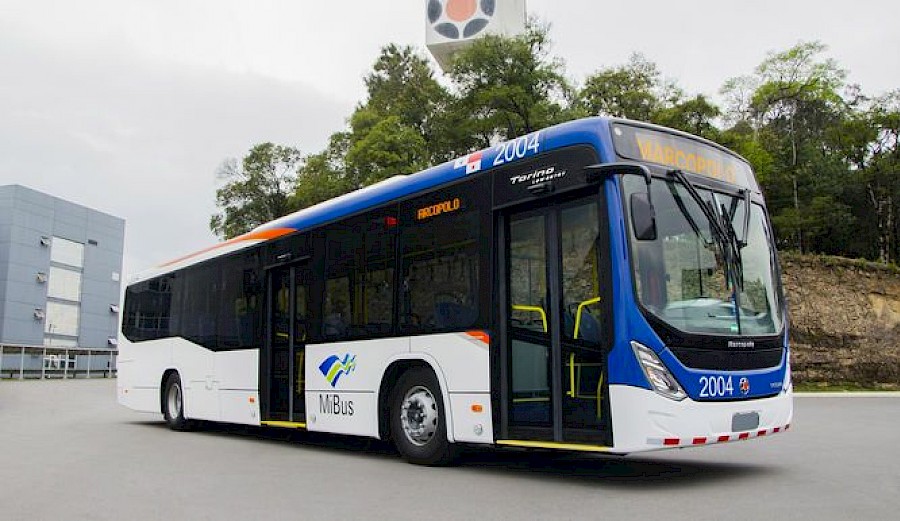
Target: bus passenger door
[555,344]
[288,300]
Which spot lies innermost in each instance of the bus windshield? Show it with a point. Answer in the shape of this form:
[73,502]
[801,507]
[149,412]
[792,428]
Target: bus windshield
[683,277]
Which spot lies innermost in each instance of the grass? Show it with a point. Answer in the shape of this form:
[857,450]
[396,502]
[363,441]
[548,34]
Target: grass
[830,387]
[831,261]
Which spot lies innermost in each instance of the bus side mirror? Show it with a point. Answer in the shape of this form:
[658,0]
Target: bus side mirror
[643,217]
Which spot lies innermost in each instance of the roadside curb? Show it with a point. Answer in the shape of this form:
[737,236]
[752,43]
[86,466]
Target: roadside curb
[849,394]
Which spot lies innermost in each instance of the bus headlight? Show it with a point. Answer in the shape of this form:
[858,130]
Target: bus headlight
[657,374]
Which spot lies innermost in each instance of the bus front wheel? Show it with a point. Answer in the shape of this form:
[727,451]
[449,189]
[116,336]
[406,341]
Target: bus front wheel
[173,404]
[418,419]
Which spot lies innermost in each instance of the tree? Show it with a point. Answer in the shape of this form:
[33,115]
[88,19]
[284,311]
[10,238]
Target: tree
[256,191]
[634,90]
[882,174]
[399,129]
[695,115]
[791,102]
[322,176]
[509,86]
[388,148]
[402,85]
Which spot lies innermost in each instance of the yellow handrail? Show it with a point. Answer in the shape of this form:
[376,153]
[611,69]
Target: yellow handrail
[573,389]
[571,392]
[599,395]
[578,313]
[534,309]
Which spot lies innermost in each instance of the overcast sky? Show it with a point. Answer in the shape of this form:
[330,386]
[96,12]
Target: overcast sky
[128,106]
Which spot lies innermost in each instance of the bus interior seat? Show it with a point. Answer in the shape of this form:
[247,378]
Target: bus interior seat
[450,315]
[588,328]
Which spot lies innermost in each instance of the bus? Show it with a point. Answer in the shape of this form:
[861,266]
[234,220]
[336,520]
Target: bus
[602,285]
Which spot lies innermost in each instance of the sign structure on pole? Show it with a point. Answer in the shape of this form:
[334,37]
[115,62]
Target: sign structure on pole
[451,25]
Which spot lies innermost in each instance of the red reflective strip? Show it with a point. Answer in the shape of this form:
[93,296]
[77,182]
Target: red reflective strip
[743,435]
[671,441]
[699,441]
[777,430]
[761,433]
[724,438]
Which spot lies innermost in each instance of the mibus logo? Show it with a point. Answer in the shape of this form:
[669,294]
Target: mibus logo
[333,367]
[455,19]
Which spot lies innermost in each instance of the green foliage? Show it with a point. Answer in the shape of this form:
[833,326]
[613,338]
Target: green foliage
[509,86]
[388,148]
[634,90]
[321,176]
[256,190]
[402,86]
[695,116]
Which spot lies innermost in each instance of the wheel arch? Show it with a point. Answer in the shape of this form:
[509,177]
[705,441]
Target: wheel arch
[396,367]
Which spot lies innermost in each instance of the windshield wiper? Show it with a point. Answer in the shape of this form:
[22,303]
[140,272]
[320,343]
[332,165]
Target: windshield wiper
[745,237]
[690,218]
[736,244]
[723,232]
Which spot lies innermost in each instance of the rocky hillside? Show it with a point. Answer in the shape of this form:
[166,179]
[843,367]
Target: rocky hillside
[845,320]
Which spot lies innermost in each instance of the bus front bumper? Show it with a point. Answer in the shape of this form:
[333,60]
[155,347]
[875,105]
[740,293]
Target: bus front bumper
[643,420]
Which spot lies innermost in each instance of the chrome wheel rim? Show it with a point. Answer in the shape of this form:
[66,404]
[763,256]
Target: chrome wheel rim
[173,400]
[419,415]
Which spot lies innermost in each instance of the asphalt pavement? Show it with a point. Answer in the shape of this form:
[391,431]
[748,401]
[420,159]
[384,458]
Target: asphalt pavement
[69,452]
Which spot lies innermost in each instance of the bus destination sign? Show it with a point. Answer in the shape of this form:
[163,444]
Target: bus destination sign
[662,148]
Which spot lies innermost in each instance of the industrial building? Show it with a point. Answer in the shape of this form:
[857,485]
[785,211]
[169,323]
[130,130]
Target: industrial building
[60,272]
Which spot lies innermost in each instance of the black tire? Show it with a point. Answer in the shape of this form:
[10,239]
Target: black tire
[173,404]
[418,419]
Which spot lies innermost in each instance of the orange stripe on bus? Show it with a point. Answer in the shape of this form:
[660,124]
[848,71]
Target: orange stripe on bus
[262,235]
[480,335]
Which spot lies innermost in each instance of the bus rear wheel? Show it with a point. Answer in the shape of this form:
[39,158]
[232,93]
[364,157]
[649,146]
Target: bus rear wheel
[173,404]
[418,419]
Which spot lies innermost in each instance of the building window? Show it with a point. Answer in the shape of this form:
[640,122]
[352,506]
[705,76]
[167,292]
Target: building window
[64,251]
[64,284]
[62,319]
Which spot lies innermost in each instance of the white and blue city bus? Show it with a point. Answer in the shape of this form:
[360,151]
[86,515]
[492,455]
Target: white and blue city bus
[601,285]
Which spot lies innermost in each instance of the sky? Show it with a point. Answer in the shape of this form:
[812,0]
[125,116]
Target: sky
[129,106]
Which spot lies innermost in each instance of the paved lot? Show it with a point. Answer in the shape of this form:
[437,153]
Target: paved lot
[68,452]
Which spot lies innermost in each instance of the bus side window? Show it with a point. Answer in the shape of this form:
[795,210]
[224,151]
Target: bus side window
[335,325]
[239,312]
[359,283]
[440,240]
[148,310]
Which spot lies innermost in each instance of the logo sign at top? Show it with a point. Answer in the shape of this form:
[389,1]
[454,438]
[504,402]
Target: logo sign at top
[450,24]
[455,19]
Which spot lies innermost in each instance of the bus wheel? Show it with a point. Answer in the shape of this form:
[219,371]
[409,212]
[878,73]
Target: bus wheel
[173,404]
[418,419]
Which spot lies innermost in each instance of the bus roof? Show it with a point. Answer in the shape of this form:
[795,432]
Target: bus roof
[593,131]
